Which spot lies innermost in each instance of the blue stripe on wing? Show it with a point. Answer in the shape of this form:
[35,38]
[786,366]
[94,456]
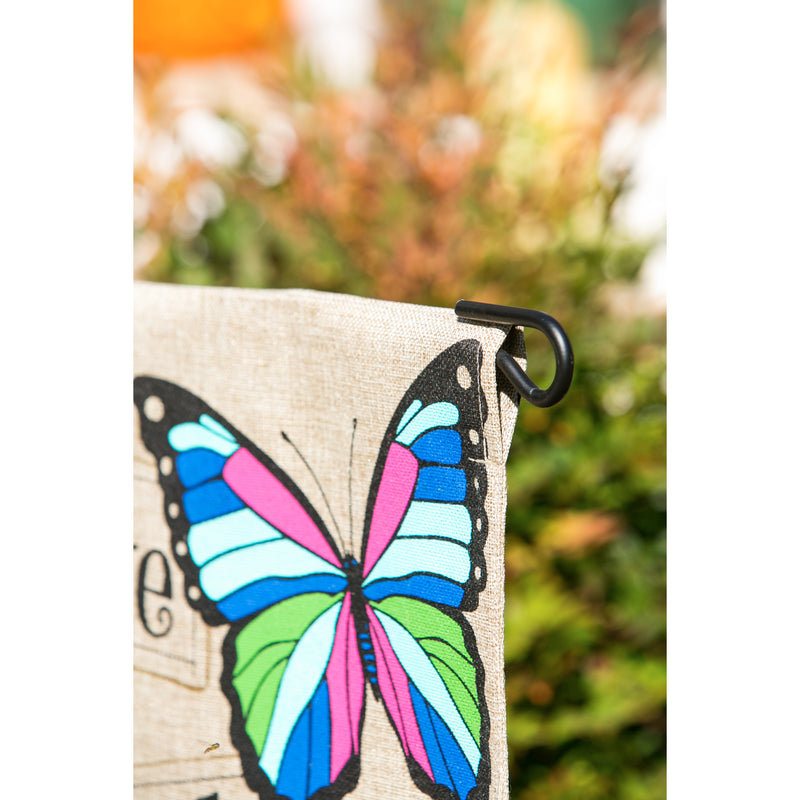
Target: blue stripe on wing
[198,465]
[450,767]
[445,484]
[209,500]
[439,446]
[269,591]
[305,766]
[432,588]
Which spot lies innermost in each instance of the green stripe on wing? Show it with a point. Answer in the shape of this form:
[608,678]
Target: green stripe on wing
[442,640]
[263,648]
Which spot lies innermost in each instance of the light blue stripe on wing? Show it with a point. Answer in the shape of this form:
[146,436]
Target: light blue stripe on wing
[300,680]
[425,518]
[430,685]
[280,558]
[409,555]
[211,423]
[188,435]
[436,415]
[214,537]
[410,411]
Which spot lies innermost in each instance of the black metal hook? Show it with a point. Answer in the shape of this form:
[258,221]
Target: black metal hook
[506,315]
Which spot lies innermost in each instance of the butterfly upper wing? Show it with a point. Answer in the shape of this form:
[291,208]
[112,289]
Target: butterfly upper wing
[423,565]
[262,559]
[426,522]
[241,529]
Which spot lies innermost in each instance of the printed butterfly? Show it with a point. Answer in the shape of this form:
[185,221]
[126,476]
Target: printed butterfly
[311,626]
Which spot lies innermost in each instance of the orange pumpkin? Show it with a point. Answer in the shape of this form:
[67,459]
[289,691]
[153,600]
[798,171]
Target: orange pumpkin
[203,28]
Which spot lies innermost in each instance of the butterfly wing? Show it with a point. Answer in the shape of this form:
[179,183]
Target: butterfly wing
[286,695]
[257,555]
[432,684]
[423,565]
[296,686]
[241,529]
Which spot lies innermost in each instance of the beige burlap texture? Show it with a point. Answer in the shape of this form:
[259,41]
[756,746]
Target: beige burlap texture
[316,382]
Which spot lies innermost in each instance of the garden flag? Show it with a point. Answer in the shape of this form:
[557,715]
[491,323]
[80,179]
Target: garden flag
[318,547]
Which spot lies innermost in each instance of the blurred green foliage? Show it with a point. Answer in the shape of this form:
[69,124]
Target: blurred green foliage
[426,191]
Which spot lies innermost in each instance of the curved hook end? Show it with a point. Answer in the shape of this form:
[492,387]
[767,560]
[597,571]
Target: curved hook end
[550,327]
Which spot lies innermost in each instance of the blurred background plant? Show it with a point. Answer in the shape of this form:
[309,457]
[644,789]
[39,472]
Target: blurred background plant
[502,151]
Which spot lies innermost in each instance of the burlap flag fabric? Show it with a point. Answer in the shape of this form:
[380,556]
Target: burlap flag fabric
[319,504]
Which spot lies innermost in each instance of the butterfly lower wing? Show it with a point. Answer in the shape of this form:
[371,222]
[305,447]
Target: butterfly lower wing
[289,674]
[242,531]
[430,681]
[423,565]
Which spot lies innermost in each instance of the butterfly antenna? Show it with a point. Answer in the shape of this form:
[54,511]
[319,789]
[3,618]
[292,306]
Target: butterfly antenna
[350,485]
[319,486]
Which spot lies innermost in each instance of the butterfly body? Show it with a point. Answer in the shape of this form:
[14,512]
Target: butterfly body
[311,623]
[357,603]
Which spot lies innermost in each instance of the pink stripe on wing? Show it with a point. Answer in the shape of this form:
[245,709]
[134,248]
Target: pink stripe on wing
[270,499]
[393,683]
[394,494]
[345,678]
